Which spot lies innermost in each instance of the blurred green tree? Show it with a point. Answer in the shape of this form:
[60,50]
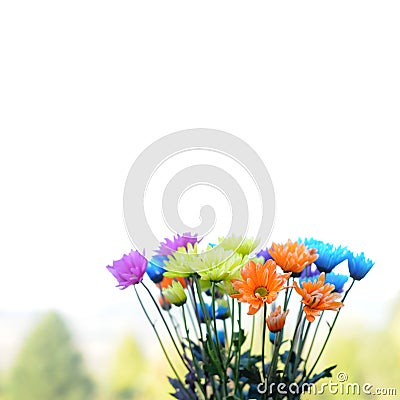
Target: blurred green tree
[2,389]
[129,371]
[367,354]
[138,374]
[48,366]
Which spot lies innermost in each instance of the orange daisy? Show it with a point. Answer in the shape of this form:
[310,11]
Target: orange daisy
[292,256]
[317,296]
[260,284]
[168,281]
[276,320]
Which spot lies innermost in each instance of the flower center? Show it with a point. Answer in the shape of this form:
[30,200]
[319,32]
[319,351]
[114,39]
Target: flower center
[262,291]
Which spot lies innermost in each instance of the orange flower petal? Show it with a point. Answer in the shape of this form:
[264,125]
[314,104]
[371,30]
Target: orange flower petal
[261,284]
[317,296]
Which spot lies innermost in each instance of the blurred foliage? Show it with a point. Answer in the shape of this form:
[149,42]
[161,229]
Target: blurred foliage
[136,377]
[48,366]
[367,354]
[128,371]
[2,388]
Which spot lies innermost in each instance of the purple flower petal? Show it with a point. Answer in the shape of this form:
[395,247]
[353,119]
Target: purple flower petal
[170,246]
[129,270]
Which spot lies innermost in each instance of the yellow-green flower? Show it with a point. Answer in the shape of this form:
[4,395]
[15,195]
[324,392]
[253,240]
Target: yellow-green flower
[258,260]
[217,264]
[175,294]
[227,287]
[205,285]
[239,244]
[182,263]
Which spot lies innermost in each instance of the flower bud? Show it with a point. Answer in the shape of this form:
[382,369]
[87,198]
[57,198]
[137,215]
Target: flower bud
[175,294]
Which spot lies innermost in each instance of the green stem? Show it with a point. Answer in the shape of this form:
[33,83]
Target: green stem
[208,324]
[263,341]
[329,333]
[166,325]
[225,333]
[238,351]
[161,343]
[176,327]
[304,339]
[300,347]
[312,342]
[193,301]
[196,310]
[195,362]
[253,326]
[214,387]
[214,318]
[232,330]
[274,361]
[288,293]
[195,327]
[300,314]
[218,344]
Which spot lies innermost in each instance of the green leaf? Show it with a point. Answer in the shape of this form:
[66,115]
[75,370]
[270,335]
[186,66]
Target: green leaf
[214,367]
[245,360]
[326,373]
[254,394]
[196,348]
[285,355]
[252,374]
[211,369]
[238,338]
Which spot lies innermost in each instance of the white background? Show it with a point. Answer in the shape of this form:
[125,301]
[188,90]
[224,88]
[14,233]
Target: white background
[85,86]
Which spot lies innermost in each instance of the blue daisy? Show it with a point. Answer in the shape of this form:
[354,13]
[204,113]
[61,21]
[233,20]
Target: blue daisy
[359,266]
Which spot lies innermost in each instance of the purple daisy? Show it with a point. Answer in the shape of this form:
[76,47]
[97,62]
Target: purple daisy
[309,273]
[129,270]
[169,246]
[265,254]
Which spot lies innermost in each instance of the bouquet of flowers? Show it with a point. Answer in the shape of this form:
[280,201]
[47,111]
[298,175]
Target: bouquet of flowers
[286,289]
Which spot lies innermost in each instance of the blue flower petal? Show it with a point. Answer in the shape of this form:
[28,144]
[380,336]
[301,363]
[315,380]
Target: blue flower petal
[359,266]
